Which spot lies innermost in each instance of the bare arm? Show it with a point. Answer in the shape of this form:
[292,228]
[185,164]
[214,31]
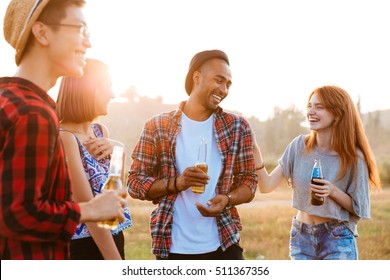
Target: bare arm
[267,182]
[103,146]
[82,192]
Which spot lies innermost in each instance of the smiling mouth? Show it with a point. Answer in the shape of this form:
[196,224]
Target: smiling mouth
[81,55]
[313,119]
[217,97]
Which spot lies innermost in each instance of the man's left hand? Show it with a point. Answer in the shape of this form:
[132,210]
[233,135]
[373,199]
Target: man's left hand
[215,206]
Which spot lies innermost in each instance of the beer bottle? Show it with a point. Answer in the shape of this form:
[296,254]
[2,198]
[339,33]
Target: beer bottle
[316,174]
[114,182]
[202,164]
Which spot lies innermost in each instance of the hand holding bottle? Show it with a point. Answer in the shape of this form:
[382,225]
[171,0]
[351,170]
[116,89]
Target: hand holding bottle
[316,199]
[201,163]
[322,188]
[114,182]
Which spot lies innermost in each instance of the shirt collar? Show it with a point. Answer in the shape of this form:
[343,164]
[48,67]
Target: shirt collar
[33,89]
[179,111]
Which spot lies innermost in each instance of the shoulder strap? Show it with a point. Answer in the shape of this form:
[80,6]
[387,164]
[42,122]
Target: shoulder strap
[97,129]
[75,136]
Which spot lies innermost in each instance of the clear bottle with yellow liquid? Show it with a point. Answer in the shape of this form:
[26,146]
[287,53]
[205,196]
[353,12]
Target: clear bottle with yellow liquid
[202,164]
[114,182]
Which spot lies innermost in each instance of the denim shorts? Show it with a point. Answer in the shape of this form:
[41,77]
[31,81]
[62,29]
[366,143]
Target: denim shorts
[327,241]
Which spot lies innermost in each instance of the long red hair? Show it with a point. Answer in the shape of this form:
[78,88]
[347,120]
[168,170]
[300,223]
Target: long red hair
[348,133]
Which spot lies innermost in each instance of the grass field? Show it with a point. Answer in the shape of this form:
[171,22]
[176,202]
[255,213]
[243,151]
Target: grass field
[266,226]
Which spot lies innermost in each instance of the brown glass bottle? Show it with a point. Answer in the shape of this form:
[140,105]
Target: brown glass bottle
[316,174]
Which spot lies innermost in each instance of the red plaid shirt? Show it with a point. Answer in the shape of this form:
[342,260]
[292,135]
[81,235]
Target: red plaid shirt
[37,217]
[154,158]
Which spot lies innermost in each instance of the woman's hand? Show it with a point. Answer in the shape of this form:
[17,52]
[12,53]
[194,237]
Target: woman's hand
[101,148]
[333,192]
[324,188]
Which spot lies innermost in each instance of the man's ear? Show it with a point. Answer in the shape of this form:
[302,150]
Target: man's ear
[196,77]
[40,32]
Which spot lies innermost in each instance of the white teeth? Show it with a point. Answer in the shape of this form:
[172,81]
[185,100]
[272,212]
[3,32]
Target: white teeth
[217,97]
[82,56]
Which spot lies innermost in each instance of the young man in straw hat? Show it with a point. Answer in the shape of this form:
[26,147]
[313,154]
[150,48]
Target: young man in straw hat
[37,215]
[188,225]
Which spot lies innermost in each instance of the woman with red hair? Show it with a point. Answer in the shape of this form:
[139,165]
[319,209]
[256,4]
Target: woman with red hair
[337,139]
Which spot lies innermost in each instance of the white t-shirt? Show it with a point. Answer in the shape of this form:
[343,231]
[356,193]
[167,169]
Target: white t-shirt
[191,232]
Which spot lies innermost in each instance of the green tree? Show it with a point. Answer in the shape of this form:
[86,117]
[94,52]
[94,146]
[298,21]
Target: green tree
[282,128]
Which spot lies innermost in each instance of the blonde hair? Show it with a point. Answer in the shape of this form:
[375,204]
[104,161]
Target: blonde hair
[348,133]
[76,98]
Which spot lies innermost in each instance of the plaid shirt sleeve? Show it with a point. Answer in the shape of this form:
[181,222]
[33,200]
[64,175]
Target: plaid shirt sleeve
[37,216]
[152,159]
[244,166]
[144,169]
[27,214]
[236,146]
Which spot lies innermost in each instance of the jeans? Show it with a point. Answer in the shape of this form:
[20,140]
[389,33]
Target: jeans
[327,241]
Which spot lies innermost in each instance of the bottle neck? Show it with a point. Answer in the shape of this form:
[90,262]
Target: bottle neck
[114,176]
[116,163]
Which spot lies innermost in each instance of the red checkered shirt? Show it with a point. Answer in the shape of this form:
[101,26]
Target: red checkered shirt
[37,217]
[154,158]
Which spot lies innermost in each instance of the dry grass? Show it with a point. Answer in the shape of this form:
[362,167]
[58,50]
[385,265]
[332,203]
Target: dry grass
[266,227]
[137,238]
[374,241]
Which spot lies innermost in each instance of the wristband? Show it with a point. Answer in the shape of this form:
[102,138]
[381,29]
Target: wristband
[174,185]
[167,186]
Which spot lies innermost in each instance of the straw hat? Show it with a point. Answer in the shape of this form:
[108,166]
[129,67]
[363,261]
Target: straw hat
[197,61]
[18,20]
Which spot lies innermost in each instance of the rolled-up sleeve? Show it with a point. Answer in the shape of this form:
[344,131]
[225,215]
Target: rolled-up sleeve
[244,170]
[359,190]
[143,169]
